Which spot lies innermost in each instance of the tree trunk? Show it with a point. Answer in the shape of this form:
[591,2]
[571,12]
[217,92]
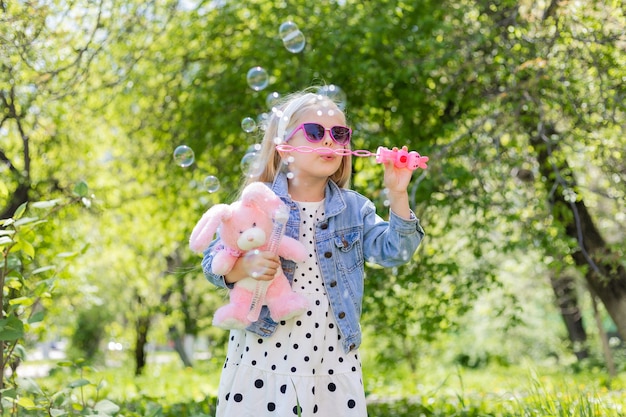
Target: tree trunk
[606,348]
[604,272]
[565,292]
[181,346]
[142,326]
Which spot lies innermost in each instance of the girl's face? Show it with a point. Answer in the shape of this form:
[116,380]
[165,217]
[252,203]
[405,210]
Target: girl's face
[314,165]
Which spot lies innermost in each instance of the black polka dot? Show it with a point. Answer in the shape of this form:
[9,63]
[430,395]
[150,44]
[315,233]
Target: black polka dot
[283,389]
[351,403]
[297,410]
[332,387]
[271,406]
[258,383]
[238,398]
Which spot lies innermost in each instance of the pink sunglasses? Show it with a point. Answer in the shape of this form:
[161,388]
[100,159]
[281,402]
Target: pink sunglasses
[314,133]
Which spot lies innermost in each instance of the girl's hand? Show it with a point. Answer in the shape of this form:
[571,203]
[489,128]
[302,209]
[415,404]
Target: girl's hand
[396,182]
[397,179]
[261,265]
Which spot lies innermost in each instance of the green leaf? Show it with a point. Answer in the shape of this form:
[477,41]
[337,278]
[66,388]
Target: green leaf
[22,301]
[25,247]
[78,383]
[26,220]
[81,189]
[29,385]
[45,204]
[7,222]
[20,211]
[11,328]
[26,402]
[43,269]
[107,407]
[67,254]
[9,393]
[37,317]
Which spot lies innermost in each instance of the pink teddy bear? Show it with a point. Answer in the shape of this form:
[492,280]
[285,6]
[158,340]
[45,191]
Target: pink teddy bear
[243,226]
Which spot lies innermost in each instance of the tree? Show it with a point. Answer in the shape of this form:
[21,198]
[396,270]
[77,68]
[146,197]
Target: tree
[487,90]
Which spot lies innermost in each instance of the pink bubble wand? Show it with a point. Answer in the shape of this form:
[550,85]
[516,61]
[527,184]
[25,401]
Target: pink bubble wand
[281,215]
[401,158]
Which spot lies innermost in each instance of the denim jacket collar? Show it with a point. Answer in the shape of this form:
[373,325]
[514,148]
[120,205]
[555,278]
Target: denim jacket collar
[333,200]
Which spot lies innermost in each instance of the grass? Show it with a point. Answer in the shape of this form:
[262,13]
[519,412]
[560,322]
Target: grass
[167,389]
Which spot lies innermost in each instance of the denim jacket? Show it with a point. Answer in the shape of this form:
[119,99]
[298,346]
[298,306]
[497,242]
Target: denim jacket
[351,234]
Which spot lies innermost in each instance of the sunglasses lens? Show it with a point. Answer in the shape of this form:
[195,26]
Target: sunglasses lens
[341,134]
[314,132]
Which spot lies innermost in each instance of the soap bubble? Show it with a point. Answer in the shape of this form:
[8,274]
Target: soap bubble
[254,148]
[262,121]
[257,78]
[248,124]
[211,183]
[272,99]
[287,28]
[251,165]
[251,268]
[294,42]
[334,93]
[184,156]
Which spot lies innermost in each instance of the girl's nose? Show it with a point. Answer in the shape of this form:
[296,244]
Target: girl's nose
[328,141]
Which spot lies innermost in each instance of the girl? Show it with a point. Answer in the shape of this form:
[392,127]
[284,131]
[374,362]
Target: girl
[310,365]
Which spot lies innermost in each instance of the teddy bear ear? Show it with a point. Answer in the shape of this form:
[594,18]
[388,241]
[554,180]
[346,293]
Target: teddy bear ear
[262,196]
[203,232]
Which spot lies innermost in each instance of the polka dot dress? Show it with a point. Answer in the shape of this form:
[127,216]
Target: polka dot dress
[301,369]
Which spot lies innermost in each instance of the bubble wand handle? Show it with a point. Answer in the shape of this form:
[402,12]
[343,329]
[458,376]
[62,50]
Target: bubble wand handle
[258,298]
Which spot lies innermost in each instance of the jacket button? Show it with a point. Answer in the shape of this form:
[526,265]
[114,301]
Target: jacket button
[324,226]
[328,254]
[342,315]
[333,284]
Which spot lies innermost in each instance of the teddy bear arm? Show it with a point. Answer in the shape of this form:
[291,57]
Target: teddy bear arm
[290,248]
[223,263]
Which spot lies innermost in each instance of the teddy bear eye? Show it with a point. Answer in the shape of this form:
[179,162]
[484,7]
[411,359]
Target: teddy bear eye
[253,224]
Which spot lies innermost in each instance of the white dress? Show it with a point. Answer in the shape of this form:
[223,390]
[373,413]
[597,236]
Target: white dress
[301,369]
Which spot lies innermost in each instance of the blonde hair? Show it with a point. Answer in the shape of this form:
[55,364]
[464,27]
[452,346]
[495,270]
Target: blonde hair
[281,121]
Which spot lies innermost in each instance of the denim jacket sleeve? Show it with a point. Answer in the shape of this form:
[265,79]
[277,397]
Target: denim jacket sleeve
[391,243]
